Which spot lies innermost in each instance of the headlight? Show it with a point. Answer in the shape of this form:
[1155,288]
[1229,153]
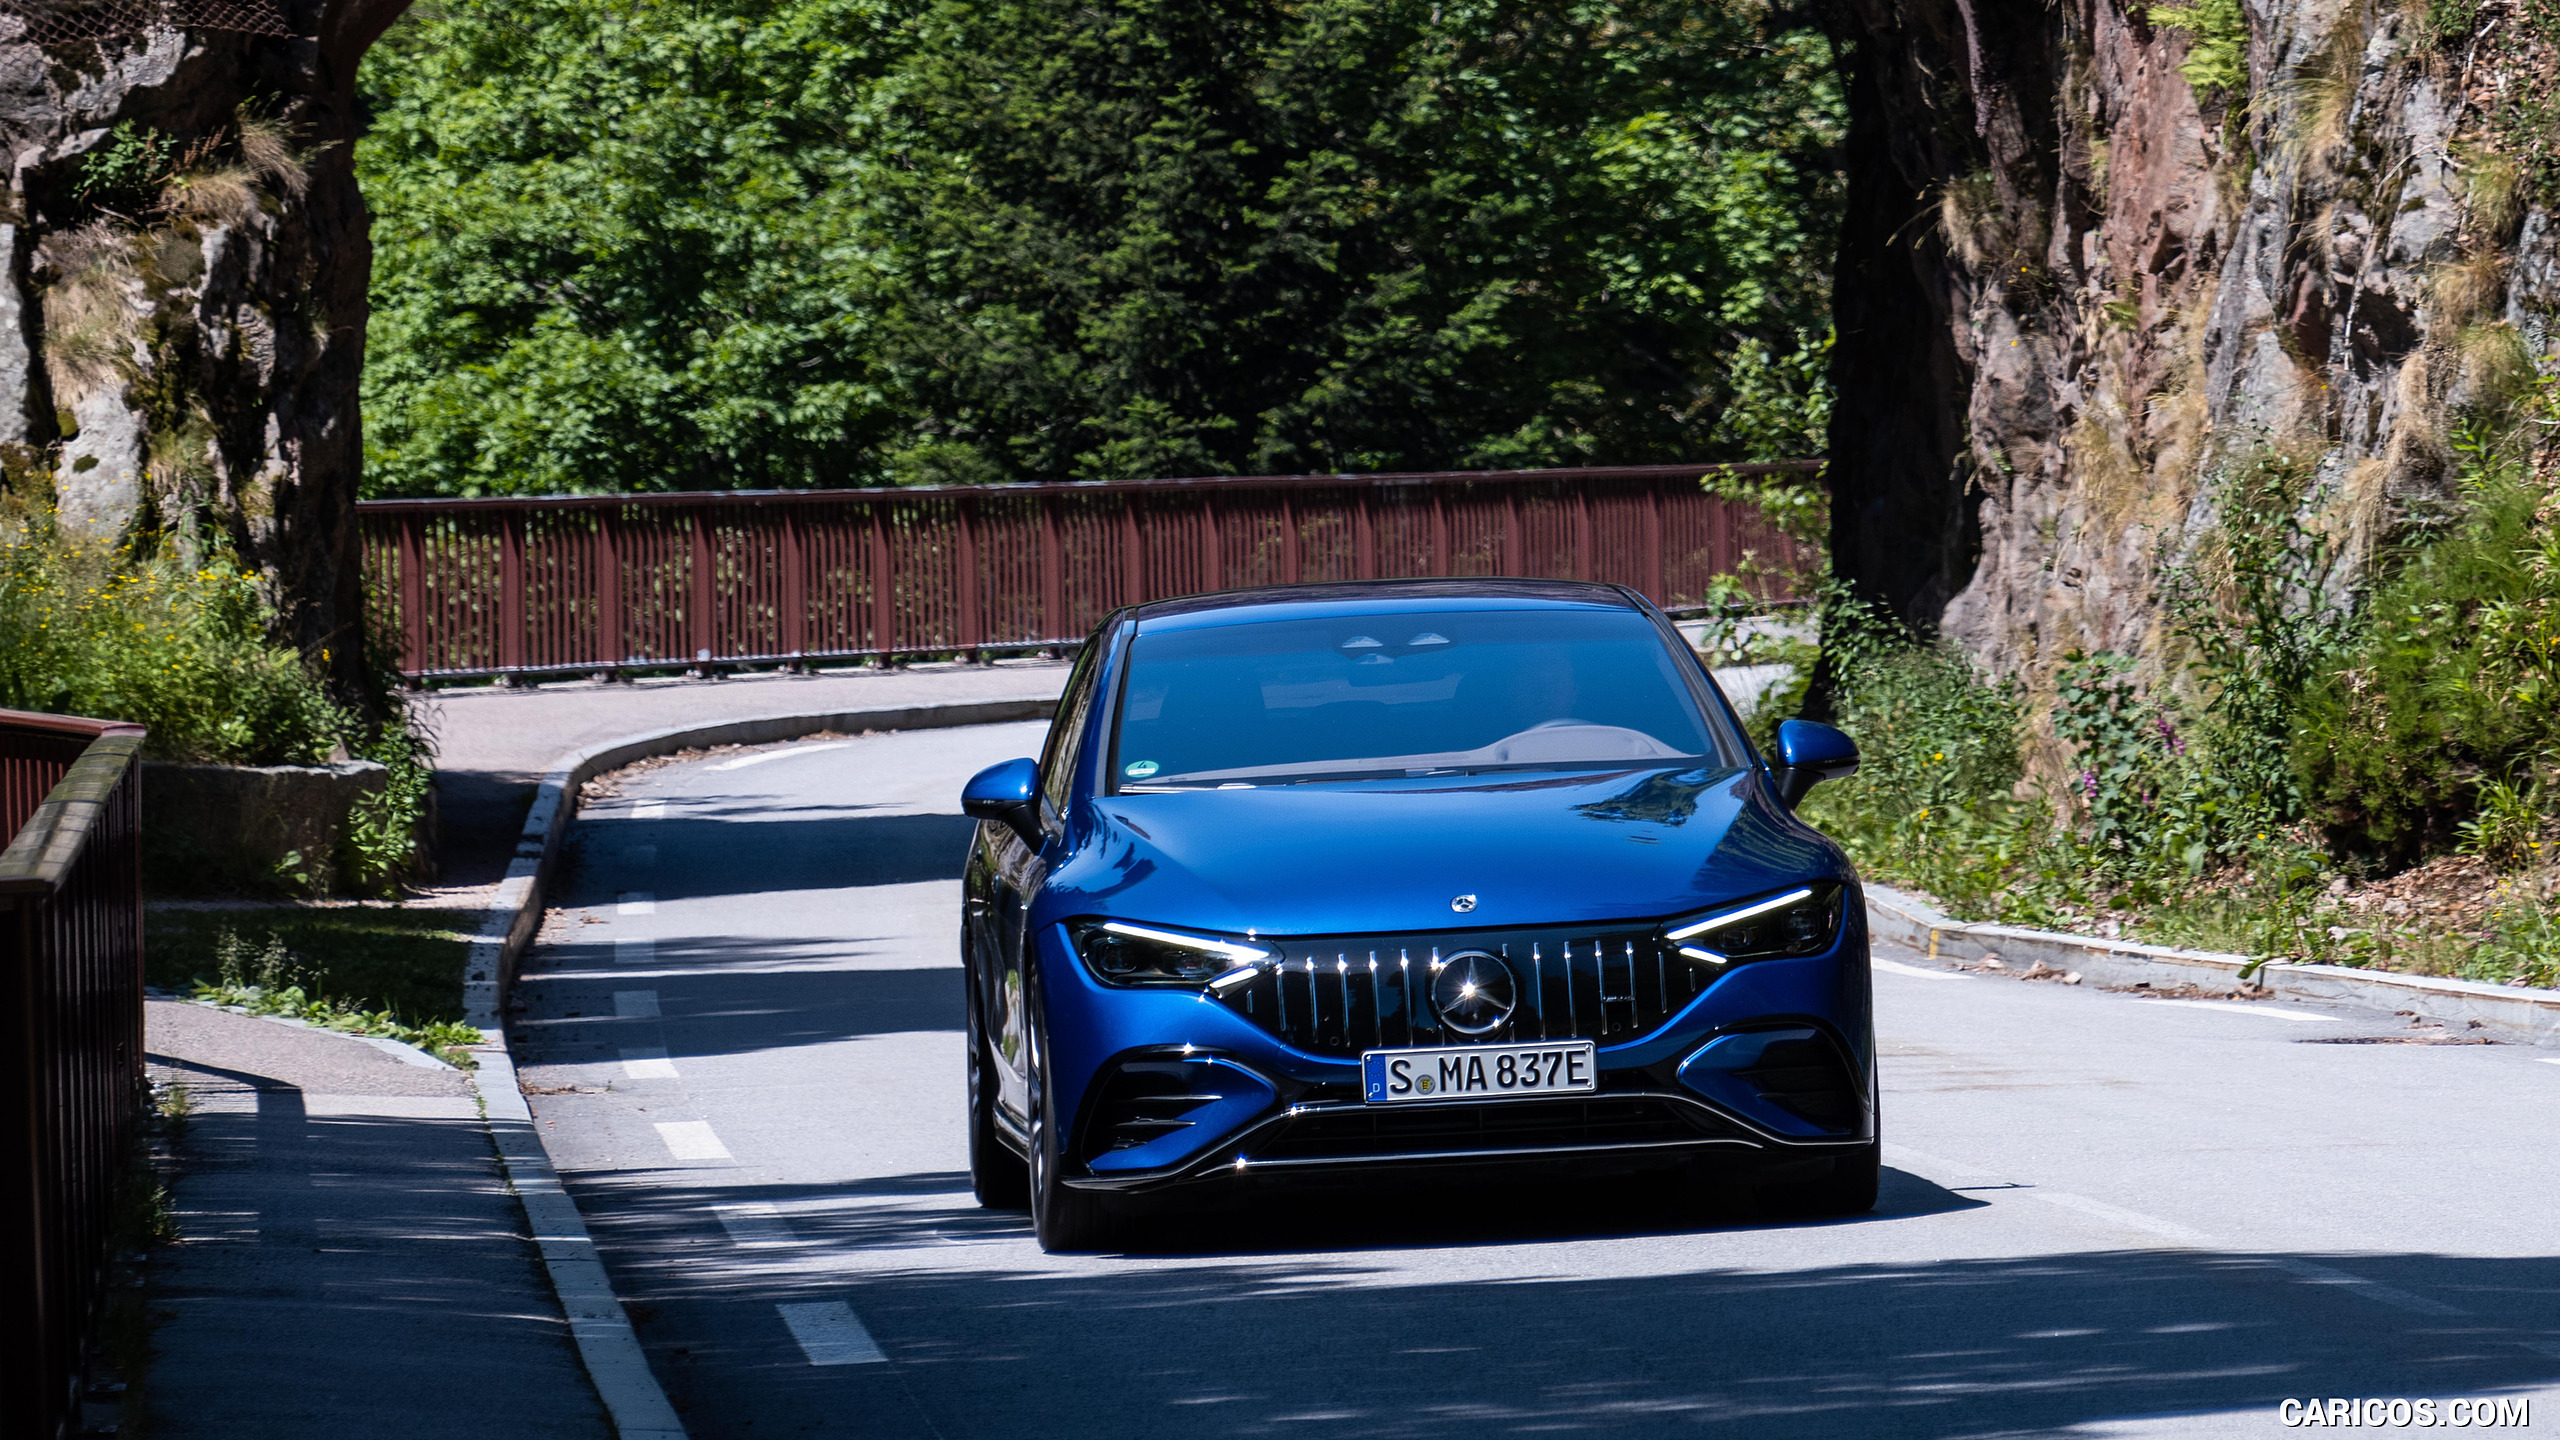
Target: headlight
[1119,953]
[1802,921]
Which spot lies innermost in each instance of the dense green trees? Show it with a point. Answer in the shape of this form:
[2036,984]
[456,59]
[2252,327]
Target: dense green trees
[795,242]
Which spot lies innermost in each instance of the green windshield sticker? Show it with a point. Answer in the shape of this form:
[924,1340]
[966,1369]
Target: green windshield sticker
[1140,769]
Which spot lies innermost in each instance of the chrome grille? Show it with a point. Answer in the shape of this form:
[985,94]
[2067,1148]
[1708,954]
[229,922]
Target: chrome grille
[1342,995]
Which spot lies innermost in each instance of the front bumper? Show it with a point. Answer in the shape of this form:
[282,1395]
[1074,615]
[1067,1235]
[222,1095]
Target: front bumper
[1171,1088]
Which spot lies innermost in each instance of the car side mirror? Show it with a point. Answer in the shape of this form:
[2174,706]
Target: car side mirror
[1008,793]
[1809,754]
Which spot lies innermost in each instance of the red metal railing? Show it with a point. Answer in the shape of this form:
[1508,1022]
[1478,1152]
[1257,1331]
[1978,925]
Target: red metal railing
[599,582]
[70,1043]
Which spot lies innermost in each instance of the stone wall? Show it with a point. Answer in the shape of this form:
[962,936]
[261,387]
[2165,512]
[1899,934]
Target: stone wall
[249,829]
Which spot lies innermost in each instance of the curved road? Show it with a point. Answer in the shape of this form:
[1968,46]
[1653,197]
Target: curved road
[2102,1216]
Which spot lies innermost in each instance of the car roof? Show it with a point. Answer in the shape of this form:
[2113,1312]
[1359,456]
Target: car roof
[1288,602]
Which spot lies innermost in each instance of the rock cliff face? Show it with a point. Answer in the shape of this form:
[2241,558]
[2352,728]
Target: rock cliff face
[183,272]
[2099,256]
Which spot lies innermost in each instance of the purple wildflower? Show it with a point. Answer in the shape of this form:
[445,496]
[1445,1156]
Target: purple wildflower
[2169,736]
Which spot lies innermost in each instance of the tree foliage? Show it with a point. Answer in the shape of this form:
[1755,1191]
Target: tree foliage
[797,242]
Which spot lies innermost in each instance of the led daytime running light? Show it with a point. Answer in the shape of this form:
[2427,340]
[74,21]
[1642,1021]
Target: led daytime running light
[1242,954]
[1717,922]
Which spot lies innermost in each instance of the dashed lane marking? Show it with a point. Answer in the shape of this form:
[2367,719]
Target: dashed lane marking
[635,1004]
[635,952]
[754,1223]
[1896,967]
[649,810]
[647,1063]
[637,902]
[830,1334]
[743,761]
[692,1140]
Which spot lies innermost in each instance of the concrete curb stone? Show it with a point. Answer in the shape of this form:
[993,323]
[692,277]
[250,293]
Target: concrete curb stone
[2529,1015]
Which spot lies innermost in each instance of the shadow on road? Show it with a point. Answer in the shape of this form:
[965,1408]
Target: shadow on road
[756,850]
[1299,1313]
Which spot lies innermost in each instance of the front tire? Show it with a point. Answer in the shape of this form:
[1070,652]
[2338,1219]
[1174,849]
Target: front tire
[1063,1217]
[997,1176]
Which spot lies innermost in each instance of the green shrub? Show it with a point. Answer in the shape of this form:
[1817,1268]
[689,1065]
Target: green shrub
[103,631]
[132,633]
[1932,804]
[2451,683]
[2218,44]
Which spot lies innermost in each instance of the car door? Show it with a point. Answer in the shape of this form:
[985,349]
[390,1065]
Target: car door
[1019,872]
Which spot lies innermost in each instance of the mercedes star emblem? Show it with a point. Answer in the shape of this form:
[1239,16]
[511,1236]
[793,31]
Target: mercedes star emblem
[1474,993]
[1463,904]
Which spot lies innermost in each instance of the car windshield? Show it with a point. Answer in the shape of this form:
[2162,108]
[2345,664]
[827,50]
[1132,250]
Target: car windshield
[1404,693]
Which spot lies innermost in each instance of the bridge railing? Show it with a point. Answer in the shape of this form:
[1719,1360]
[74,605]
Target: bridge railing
[71,1079]
[607,582]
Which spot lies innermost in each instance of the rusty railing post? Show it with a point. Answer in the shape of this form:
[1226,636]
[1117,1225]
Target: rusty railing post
[610,649]
[791,607]
[413,594]
[511,592]
[1653,545]
[884,612]
[698,636]
[1581,532]
[1133,554]
[964,575]
[1212,545]
[1053,573]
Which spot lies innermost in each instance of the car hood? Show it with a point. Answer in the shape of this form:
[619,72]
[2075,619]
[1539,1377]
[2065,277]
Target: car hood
[1390,856]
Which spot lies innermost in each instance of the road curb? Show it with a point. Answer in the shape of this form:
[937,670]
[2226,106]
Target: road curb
[2526,1014]
[615,1363]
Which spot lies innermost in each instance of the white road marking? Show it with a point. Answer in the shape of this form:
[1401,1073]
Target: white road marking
[692,1140]
[649,810]
[2169,1230]
[2295,1016]
[2373,1290]
[635,952]
[2547,1060]
[1896,967]
[2190,1239]
[638,902]
[743,761]
[754,1223]
[647,1063]
[635,1004]
[830,1334]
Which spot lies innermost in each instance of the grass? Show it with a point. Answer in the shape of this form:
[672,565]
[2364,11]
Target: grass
[366,970]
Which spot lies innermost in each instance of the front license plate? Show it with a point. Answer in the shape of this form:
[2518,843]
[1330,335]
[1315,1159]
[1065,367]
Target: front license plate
[1480,1072]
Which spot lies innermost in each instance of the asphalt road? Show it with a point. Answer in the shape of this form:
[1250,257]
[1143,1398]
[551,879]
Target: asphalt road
[2102,1215]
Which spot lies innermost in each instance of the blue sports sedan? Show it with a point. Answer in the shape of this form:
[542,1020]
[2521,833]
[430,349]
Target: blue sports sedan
[1437,873]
